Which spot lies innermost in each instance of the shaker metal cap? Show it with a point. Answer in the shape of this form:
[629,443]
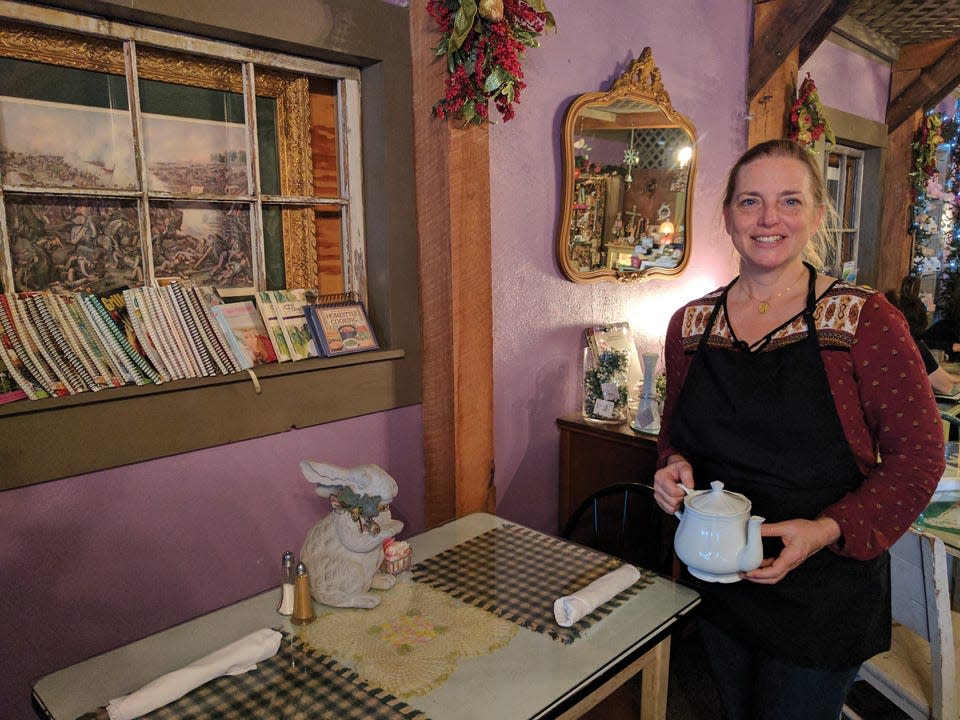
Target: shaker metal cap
[301,569]
[287,559]
[718,501]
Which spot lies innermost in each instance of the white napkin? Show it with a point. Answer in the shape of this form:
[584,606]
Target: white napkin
[571,608]
[234,659]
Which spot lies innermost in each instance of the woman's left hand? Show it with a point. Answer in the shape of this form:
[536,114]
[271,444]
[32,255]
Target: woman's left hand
[801,539]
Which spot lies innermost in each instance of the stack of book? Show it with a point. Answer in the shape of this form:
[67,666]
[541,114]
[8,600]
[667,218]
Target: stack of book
[55,344]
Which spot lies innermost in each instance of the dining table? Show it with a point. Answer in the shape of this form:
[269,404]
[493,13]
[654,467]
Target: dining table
[467,633]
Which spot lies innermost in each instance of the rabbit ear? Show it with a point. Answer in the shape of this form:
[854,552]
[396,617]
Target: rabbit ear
[372,480]
[328,478]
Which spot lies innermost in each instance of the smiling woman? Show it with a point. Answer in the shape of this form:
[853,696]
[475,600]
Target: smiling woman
[777,347]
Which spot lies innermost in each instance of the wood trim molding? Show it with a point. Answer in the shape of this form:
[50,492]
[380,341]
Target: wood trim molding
[453,220]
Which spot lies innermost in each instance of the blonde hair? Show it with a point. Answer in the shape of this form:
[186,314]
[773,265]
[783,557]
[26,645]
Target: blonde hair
[821,248]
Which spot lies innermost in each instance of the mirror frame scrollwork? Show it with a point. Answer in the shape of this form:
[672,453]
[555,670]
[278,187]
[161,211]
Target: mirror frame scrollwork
[641,82]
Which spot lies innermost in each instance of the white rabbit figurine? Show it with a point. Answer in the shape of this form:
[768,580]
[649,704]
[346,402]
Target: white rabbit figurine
[344,550]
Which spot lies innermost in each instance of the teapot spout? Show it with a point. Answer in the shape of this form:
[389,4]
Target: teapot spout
[751,555]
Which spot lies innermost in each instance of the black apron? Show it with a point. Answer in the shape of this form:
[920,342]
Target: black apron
[765,424]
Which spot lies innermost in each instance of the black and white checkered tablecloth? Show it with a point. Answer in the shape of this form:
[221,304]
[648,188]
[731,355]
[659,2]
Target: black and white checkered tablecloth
[517,573]
[295,684]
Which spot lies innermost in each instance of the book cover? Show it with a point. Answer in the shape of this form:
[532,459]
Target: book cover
[289,305]
[247,327]
[115,304]
[244,359]
[343,328]
[207,297]
[271,320]
[220,355]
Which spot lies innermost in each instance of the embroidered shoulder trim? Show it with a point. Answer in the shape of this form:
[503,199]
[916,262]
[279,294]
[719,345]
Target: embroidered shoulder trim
[837,315]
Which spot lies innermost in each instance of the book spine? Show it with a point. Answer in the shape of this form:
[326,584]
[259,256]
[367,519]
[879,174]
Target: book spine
[143,367]
[190,334]
[128,371]
[207,352]
[268,312]
[310,312]
[64,316]
[131,297]
[62,336]
[277,300]
[19,345]
[40,335]
[217,345]
[160,322]
[74,305]
[178,346]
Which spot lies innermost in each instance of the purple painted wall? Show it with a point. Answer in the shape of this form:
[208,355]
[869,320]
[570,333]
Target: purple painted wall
[96,561]
[538,316]
[848,81]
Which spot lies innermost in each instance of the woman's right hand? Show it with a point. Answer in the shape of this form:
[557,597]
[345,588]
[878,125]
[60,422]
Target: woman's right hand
[666,483]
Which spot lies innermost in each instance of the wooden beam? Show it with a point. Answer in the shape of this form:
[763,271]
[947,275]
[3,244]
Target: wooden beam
[895,250]
[822,27]
[778,29]
[453,223]
[934,82]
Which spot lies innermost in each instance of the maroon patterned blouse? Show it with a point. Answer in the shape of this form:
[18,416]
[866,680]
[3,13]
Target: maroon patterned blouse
[881,392]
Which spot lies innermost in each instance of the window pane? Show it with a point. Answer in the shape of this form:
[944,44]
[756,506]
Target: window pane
[194,139]
[328,223]
[851,192]
[206,242]
[268,146]
[73,244]
[833,179]
[323,137]
[273,248]
[62,127]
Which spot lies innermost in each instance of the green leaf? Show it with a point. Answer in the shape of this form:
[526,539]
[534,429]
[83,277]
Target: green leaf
[495,79]
[462,22]
[469,112]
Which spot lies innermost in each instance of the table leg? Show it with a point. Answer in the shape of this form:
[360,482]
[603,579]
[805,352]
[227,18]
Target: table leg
[656,674]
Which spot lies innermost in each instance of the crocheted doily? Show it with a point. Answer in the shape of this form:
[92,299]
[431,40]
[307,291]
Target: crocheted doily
[412,641]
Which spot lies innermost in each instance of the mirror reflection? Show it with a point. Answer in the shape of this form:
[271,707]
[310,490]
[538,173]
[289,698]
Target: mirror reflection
[628,168]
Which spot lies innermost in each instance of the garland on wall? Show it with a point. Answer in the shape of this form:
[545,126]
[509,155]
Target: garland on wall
[483,43]
[808,121]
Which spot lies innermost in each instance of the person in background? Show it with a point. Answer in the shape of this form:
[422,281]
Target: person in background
[807,395]
[915,312]
[944,334]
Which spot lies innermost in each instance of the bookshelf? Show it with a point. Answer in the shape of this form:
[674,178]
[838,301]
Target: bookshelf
[58,437]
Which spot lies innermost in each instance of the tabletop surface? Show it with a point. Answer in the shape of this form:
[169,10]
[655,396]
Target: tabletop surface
[531,677]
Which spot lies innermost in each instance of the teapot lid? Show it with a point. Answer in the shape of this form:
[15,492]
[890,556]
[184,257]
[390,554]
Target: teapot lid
[718,501]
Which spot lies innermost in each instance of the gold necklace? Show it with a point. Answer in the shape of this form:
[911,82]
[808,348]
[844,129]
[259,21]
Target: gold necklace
[763,306]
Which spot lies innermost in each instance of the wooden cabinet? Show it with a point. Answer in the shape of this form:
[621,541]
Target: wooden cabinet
[593,456]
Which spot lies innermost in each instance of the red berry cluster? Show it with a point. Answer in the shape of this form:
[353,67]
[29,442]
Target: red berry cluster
[486,66]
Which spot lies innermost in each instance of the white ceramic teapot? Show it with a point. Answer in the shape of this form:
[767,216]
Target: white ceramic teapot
[718,537]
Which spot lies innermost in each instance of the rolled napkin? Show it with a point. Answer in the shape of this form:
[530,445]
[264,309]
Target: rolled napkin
[234,659]
[571,608]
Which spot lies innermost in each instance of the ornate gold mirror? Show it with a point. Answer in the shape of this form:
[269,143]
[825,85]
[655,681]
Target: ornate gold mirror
[628,167]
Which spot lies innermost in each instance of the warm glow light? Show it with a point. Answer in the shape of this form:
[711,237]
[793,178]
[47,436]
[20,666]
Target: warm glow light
[666,228]
[684,154]
[649,314]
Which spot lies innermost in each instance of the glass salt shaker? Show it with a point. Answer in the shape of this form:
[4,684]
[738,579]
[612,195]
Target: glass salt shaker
[287,579]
